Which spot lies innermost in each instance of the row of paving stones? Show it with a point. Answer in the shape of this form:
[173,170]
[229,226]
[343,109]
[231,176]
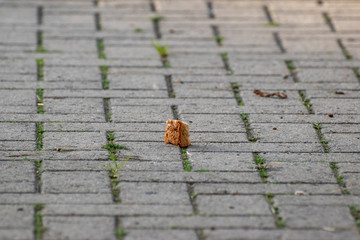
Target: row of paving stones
[260,168]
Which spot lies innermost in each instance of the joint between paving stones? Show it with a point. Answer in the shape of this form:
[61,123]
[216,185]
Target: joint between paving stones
[345,52]
[39,15]
[120,233]
[278,42]
[261,166]
[339,178]
[357,73]
[107,110]
[279,222]
[39,42]
[97,21]
[225,60]
[210,8]
[39,228]
[271,22]
[306,101]
[328,21]
[217,36]
[104,77]
[236,92]
[38,173]
[152,6]
[101,48]
[39,136]
[355,212]
[169,86]
[114,168]
[324,143]
[156,25]
[163,52]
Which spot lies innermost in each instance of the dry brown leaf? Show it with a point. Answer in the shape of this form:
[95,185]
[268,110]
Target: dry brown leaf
[266,94]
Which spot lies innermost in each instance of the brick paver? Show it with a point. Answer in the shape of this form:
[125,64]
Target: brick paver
[87,83]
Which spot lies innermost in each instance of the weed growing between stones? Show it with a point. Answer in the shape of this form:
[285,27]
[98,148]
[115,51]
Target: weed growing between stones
[40,69]
[225,59]
[271,24]
[186,163]
[39,229]
[261,166]
[120,233]
[114,169]
[163,51]
[318,127]
[39,100]
[279,222]
[39,39]
[39,136]
[156,24]
[306,102]
[328,21]
[345,52]
[355,212]
[339,178]
[38,172]
[104,79]
[236,91]
[219,39]
[107,109]
[101,48]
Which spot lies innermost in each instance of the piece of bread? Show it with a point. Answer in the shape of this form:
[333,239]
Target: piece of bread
[177,133]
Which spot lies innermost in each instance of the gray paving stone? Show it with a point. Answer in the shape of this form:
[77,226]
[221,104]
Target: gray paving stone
[70,45]
[154,193]
[74,198]
[73,140]
[17,234]
[337,106]
[141,114]
[75,182]
[18,97]
[339,142]
[161,234]
[300,172]
[278,234]
[335,200]
[79,227]
[197,222]
[311,157]
[285,133]
[192,177]
[73,105]
[115,127]
[154,82]
[213,122]
[17,145]
[325,75]
[108,209]
[257,67]
[17,216]
[352,181]
[249,98]
[57,73]
[17,131]
[321,217]
[311,45]
[279,188]
[233,205]
[52,118]
[221,161]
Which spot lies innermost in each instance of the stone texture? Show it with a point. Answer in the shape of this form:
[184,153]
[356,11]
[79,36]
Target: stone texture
[211,189]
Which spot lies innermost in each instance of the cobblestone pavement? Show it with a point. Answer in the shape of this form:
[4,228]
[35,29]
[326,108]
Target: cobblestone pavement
[87,85]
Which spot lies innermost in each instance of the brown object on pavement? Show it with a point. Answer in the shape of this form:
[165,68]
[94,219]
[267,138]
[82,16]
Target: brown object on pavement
[266,94]
[177,133]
